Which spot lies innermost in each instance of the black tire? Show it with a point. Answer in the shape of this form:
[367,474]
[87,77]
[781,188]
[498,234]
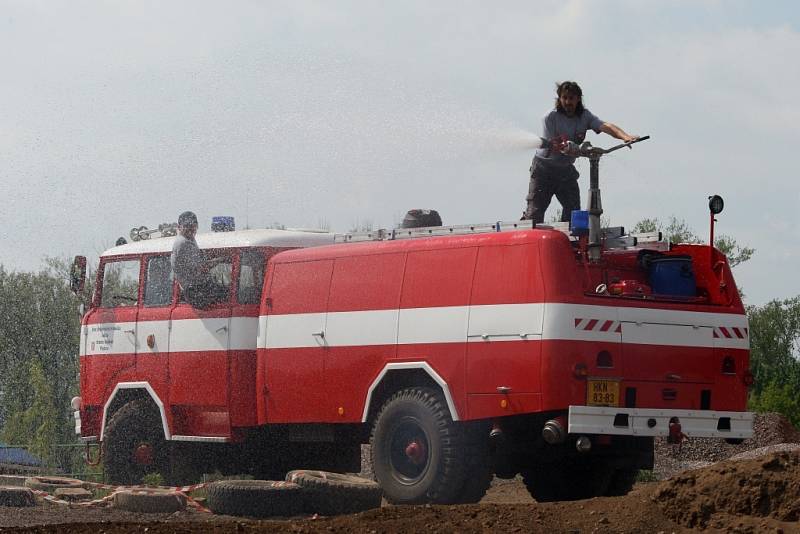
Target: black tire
[16,497]
[569,480]
[334,493]
[255,498]
[418,455]
[150,501]
[622,482]
[479,469]
[51,484]
[137,424]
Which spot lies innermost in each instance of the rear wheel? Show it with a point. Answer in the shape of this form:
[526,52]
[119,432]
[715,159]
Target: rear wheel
[622,482]
[418,455]
[568,480]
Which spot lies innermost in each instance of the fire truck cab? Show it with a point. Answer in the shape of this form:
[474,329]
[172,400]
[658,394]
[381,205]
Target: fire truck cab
[458,352]
[156,372]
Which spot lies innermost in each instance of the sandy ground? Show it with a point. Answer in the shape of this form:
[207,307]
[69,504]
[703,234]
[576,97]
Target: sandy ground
[704,485]
[760,494]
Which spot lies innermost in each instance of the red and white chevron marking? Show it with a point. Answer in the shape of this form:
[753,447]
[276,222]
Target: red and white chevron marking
[598,325]
[730,332]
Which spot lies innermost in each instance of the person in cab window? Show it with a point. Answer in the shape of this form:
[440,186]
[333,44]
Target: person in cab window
[191,267]
[553,172]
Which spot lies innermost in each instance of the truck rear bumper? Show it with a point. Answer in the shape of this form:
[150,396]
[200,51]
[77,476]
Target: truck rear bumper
[656,421]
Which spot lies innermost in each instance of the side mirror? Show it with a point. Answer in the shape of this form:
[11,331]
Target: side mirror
[77,274]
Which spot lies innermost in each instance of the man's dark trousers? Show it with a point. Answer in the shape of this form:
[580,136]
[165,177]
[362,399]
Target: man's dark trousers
[546,181]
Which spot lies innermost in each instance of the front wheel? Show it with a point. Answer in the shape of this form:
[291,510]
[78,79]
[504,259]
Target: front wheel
[134,444]
[418,455]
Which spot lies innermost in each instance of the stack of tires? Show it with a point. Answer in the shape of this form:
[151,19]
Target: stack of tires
[303,492]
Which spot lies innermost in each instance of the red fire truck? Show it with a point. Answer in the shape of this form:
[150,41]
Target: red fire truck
[457,352]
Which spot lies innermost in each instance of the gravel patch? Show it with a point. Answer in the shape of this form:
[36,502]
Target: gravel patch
[771,432]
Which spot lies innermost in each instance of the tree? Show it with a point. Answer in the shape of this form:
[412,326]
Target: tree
[678,231]
[38,356]
[776,397]
[37,425]
[775,344]
[361,226]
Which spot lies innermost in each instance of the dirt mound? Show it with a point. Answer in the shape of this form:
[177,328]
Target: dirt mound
[765,487]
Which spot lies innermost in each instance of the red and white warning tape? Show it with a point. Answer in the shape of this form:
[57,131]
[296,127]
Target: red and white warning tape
[115,489]
[181,489]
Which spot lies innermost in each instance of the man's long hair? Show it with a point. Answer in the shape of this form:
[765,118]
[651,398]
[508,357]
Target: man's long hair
[569,87]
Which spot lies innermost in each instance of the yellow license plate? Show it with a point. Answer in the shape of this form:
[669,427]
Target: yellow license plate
[602,393]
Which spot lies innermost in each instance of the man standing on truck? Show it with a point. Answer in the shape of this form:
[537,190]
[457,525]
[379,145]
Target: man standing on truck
[191,267]
[552,171]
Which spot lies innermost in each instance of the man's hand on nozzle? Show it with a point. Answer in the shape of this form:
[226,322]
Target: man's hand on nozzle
[558,143]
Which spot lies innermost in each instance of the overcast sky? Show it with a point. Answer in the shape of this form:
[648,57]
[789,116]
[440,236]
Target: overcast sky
[119,114]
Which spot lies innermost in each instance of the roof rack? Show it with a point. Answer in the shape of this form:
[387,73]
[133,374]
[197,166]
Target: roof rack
[615,237]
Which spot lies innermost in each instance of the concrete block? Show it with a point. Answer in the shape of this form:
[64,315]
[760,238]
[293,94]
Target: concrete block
[12,480]
[73,494]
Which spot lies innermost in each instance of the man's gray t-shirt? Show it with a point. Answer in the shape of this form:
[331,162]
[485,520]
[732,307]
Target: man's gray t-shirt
[187,260]
[556,124]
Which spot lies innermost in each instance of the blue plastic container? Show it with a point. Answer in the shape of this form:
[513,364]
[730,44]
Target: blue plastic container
[579,222]
[672,275]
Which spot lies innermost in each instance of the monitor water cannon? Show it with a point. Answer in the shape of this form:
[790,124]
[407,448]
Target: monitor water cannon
[595,206]
[141,233]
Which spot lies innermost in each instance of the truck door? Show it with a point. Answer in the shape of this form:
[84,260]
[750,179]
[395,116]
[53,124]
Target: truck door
[294,341]
[249,271]
[505,322]
[152,332]
[110,327]
[434,313]
[667,346]
[361,329]
[199,344]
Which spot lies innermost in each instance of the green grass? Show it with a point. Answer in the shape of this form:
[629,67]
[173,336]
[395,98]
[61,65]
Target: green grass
[646,475]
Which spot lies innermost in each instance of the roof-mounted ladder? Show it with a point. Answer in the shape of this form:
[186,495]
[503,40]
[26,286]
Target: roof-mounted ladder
[615,237]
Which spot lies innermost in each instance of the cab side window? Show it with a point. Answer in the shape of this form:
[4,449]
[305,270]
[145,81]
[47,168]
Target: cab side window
[158,282]
[251,277]
[222,272]
[120,286]
[218,290]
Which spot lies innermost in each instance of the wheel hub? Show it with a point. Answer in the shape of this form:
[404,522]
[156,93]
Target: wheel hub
[409,451]
[143,454]
[416,452]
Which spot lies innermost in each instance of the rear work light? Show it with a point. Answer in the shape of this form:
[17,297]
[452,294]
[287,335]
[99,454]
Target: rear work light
[580,370]
[604,359]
